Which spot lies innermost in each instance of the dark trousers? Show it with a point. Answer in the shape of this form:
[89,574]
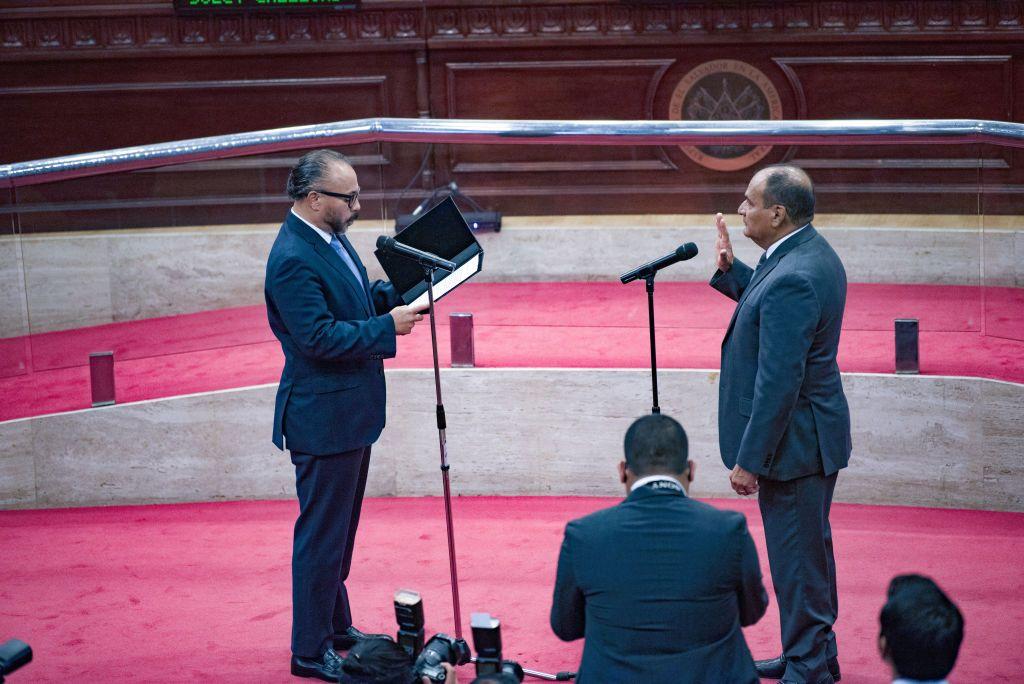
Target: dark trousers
[799,540]
[330,490]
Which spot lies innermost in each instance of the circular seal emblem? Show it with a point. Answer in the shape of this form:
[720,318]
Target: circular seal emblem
[725,90]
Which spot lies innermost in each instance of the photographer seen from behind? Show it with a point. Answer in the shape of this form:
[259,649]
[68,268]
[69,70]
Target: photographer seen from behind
[660,584]
[921,631]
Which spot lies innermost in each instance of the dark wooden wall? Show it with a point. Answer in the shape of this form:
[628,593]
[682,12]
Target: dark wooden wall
[86,75]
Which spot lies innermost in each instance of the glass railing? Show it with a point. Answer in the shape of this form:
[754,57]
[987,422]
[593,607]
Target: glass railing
[159,252]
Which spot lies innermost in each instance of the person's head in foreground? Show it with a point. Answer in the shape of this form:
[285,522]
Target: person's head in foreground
[921,630]
[656,445]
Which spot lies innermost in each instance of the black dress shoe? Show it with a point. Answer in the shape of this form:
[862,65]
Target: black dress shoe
[776,667]
[343,642]
[327,668]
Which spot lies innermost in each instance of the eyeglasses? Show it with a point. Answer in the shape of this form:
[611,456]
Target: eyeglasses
[350,198]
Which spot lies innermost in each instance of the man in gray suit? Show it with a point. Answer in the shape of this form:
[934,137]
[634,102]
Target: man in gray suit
[783,420]
[660,584]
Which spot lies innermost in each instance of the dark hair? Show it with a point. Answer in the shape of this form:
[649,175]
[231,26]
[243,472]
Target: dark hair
[791,187]
[656,444]
[922,628]
[310,170]
[379,660]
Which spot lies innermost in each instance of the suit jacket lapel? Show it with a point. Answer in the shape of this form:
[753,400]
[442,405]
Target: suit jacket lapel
[359,264]
[762,272]
[325,252]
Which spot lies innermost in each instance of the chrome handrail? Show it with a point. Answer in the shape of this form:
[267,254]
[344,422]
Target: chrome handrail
[525,132]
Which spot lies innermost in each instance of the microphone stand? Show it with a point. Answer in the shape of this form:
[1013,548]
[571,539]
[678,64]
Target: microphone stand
[428,277]
[654,353]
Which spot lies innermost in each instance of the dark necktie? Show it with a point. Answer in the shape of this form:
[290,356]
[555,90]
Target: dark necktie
[760,262]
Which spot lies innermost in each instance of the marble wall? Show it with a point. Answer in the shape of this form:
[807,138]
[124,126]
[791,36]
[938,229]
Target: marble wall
[918,440]
[13,313]
[81,279]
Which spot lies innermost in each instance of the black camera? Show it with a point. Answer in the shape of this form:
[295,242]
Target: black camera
[487,642]
[439,650]
[13,654]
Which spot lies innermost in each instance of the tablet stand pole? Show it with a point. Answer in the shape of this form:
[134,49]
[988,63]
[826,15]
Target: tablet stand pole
[428,276]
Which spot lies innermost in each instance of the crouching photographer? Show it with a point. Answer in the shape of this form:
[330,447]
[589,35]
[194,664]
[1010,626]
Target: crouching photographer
[408,660]
[383,661]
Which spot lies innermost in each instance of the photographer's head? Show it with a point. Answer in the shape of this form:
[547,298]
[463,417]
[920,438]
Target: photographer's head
[921,629]
[656,445]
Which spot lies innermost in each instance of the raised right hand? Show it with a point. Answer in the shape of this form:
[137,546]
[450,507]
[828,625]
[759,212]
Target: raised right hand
[723,246]
[405,318]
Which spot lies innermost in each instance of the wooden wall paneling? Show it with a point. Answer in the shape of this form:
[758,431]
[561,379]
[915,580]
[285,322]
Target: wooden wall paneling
[89,74]
[553,89]
[950,86]
[581,84]
[94,112]
[89,115]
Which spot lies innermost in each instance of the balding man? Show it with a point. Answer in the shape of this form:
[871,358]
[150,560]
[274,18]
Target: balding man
[783,420]
[335,327]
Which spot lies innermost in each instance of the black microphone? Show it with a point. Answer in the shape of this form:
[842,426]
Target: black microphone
[682,253]
[393,246]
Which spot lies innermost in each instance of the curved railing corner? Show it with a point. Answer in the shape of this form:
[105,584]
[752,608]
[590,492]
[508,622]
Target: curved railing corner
[525,132]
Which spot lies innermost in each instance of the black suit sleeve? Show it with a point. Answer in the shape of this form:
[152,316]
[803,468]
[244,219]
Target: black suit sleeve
[384,296]
[297,294]
[750,592]
[568,609]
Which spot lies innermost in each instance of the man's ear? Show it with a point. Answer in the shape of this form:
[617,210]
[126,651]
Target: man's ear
[691,468]
[778,215]
[883,647]
[622,472]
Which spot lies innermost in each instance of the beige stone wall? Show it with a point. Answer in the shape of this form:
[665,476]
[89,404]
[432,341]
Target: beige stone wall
[13,314]
[81,279]
[918,440]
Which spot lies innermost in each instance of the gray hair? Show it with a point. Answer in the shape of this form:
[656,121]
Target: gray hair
[310,170]
[791,187]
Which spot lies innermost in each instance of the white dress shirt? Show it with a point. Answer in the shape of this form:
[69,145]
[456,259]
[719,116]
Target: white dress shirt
[342,252]
[655,478]
[325,235]
[775,245]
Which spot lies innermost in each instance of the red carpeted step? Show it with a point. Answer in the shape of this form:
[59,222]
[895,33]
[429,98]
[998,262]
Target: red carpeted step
[578,325]
[201,592]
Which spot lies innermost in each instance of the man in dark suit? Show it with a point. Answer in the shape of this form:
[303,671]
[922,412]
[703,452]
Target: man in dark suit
[783,420]
[660,584]
[335,327]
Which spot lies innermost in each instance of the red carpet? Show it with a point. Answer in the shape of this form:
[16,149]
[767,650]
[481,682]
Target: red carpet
[201,592]
[589,325]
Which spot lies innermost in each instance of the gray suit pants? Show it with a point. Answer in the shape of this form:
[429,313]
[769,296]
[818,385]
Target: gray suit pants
[799,540]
